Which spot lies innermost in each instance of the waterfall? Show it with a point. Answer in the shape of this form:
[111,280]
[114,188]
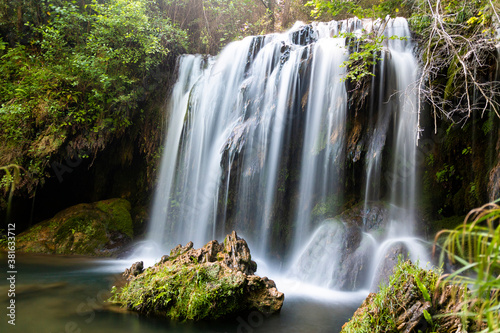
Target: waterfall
[256,141]
[322,154]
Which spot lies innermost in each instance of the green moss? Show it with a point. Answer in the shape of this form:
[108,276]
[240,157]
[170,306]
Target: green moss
[449,89]
[184,292]
[119,211]
[328,208]
[81,235]
[85,229]
[379,312]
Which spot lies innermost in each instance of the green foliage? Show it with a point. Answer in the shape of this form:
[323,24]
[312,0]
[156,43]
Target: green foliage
[11,177]
[445,174]
[358,8]
[475,245]
[211,24]
[467,151]
[366,48]
[366,55]
[423,289]
[428,317]
[82,79]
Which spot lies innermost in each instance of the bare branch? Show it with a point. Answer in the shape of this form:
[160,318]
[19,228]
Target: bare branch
[455,77]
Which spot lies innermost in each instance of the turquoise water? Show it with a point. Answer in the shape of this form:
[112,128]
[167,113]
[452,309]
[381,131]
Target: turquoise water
[67,295]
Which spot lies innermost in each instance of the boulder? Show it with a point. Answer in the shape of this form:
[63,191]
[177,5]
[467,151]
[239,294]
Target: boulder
[354,269]
[212,282]
[96,229]
[384,270]
[337,256]
[374,216]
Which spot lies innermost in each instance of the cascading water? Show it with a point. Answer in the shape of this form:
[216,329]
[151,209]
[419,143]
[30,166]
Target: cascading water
[189,72]
[322,153]
[394,102]
[257,142]
[402,177]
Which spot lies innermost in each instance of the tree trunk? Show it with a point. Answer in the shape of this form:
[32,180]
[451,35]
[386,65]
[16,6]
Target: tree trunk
[20,17]
[285,21]
[270,9]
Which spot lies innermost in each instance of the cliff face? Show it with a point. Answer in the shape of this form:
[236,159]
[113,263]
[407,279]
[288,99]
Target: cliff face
[460,167]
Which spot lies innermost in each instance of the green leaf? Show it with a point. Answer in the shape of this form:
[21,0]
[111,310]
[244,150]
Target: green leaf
[428,317]
[423,289]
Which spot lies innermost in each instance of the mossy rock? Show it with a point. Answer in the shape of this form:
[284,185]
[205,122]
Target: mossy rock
[414,300]
[181,292]
[96,229]
[119,210]
[210,283]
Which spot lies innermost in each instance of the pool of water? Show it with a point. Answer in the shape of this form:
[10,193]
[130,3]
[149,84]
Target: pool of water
[57,294]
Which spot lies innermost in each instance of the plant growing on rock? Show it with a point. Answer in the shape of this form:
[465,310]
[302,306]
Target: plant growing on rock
[415,300]
[78,76]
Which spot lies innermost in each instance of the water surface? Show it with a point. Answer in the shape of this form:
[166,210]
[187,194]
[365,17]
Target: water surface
[56,294]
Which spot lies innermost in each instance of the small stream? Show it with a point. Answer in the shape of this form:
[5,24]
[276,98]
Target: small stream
[56,294]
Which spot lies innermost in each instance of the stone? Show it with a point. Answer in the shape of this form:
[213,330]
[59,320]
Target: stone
[212,282]
[136,269]
[385,268]
[95,229]
[494,177]
[373,217]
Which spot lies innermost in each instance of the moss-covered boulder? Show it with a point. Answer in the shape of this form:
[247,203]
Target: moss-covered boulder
[412,302]
[96,229]
[216,281]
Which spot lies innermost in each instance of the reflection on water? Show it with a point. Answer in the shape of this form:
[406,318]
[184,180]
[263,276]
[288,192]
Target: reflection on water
[67,295]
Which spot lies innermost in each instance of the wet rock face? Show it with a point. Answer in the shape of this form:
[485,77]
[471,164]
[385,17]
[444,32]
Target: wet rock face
[373,217]
[233,254]
[212,282]
[494,183]
[304,36]
[353,272]
[339,255]
[385,268]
